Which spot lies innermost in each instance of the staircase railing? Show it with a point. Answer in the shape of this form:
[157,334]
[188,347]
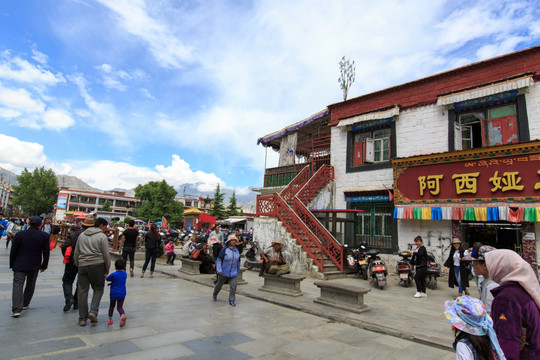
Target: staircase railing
[328,244]
[315,183]
[299,221]
[298,182]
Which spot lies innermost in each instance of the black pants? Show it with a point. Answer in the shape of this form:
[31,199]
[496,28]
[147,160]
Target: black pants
[70,272]
[21,294]
[150,256]
[129,252]
[420,278]
[170,258]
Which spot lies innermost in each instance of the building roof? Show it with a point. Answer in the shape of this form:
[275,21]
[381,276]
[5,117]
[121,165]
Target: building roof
[273,140]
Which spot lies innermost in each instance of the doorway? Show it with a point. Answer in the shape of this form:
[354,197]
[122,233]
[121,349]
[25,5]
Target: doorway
[498,235]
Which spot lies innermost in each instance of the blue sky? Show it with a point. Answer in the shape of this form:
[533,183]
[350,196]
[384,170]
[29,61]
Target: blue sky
[122,92]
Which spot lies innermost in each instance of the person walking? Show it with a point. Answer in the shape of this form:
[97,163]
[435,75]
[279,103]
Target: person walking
[13,228]
[118,291]
[152,240]
[475,338]
[227,268]
[29,255]
[486,284]
[516,304]
[419,259]
[128,244]
[70,269]
[92,257]
[458,273]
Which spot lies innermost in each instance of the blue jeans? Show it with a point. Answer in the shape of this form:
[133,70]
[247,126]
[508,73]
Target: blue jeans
[150,255]
[457,273]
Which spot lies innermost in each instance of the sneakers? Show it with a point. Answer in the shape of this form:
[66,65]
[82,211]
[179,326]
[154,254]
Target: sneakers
[15,314]
[131,272]
[151,274]
[68,305]
[424,295]
[142,274]
[82,323]
[123,321]
[26,307]
[110,322]
[214,298]
[93,318]
[467,293]
[232,303]
[418,295]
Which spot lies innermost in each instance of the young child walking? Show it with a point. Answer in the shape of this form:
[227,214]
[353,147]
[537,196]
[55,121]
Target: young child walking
[118,291]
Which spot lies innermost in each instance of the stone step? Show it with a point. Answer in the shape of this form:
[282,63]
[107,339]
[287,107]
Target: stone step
[330,275]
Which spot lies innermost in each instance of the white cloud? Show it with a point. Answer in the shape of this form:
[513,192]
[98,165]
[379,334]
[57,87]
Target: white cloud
[167,48]
[15,154]
[39,57]
[179,172]
[57,119]
[17,69]
[20,99]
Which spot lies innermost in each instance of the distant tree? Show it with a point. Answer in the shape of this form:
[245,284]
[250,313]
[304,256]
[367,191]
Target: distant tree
[37,191]
[127,219]
[157,200]
[347,76]
[106,205]
[232,208]
[219,208]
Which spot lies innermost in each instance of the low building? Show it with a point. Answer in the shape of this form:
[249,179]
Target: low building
[72,201]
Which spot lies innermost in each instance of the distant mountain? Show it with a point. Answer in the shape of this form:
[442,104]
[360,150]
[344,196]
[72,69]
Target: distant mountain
[188,190]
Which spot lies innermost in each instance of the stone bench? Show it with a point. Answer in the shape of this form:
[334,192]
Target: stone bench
[287,284]
[190,266]
[239,280]
[342,296]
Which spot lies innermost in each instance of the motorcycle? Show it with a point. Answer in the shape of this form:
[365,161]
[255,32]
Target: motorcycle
[253,260]
[377,268]
[433,271]
[405,269]
[361,266]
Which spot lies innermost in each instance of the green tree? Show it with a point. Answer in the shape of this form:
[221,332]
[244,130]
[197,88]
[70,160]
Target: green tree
[232,208]
[106,205]
[219,209]
[157,200]
[127,219]
[36,192]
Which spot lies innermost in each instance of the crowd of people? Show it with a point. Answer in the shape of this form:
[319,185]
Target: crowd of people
[502,323]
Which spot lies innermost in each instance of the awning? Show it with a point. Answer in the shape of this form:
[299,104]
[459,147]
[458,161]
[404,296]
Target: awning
[291,128]
[374,115]
[192,211]
[491,89]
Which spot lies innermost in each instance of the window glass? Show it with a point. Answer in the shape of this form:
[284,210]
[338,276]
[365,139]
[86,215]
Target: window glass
[493,126]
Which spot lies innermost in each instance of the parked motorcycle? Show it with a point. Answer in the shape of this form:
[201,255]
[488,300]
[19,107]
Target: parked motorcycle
[433,271]
[377,268]
[361,265]
[404,269]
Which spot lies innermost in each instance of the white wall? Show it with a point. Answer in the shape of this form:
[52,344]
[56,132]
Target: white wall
[421,131]
[532,99]
[437,235]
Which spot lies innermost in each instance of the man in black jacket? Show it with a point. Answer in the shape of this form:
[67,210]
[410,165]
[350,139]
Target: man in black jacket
[29,254]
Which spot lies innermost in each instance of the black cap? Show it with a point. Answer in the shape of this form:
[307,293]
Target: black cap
[35,220]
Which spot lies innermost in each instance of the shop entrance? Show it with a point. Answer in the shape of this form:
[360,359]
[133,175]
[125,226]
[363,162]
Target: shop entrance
[498,235]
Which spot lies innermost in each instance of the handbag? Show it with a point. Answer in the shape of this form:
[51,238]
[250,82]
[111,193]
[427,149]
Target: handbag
[195,254]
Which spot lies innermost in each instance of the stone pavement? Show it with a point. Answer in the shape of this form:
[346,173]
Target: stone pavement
[173,319]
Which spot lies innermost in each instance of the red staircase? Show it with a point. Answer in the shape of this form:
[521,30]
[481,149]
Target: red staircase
[290,208]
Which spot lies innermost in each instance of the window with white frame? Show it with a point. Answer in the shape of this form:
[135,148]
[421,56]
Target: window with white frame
[371,147]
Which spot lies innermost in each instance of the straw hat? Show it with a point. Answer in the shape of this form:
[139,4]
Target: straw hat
[456,241]
[277,241]
[231,237]
[88,222]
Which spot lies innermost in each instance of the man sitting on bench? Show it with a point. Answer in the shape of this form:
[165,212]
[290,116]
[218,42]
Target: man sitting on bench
[273,260]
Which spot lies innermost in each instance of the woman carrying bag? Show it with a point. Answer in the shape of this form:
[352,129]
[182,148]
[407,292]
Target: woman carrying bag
[151,241]
[227,268]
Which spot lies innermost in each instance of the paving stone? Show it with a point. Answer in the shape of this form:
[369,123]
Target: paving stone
[41,347]
[175,351]
[221,354]
[217,342]
[104,351]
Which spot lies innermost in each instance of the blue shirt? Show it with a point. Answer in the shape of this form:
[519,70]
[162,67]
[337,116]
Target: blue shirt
[118,285]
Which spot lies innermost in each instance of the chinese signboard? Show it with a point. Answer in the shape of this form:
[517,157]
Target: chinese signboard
[503,173]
